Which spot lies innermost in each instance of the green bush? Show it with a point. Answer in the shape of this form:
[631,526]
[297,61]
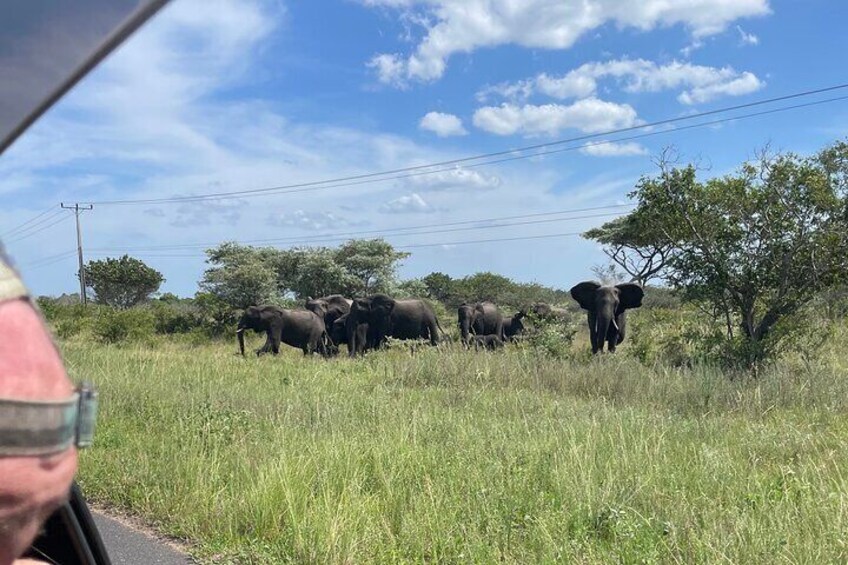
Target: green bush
[679,337]
[552,338]
[175,317]
[120,326]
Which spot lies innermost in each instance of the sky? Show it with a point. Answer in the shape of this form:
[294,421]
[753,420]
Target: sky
[219,96]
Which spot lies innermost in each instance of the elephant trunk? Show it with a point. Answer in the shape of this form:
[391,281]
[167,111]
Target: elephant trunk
[465,330]
[605,317]
[240,334]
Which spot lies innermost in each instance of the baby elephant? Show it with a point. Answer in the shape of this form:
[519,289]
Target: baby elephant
[491,341]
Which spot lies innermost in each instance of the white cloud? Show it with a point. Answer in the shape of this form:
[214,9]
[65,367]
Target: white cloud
[313,221]
[443,125]
[744,84]
[609,149]
[463,26]
[458,178]
[390,69]
[699,83]
[747,38]
[589,115]
[409,204]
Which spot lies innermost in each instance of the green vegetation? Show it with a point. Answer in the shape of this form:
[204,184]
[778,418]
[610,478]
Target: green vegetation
[122,282]
[717,433]
[450,456]
[754,246]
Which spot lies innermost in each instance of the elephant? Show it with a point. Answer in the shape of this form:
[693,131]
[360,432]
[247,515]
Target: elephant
[482,318]
[329,308]
[545,311]
[337,334]
[298,328]
[490,341]
[375,318]
[513,327]
[606,307]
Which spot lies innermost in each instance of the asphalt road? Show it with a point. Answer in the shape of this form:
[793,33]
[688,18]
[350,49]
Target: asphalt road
[129,546]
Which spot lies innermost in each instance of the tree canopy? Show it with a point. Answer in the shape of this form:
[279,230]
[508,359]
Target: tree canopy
[755,245]
[122,282]
[242,275]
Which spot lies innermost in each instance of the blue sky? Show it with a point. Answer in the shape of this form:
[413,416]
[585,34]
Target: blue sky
[220,95]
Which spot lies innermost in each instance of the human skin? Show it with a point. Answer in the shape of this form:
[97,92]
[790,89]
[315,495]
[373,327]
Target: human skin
[31,488]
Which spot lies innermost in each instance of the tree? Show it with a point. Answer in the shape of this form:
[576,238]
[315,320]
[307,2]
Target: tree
[755,245]
[241,275]
[631,243]
[371,265]
[318,273]
[439,286]
[122,282]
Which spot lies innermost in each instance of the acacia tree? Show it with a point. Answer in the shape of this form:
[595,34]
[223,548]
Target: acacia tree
[632,243]
[122,282]
[757,244]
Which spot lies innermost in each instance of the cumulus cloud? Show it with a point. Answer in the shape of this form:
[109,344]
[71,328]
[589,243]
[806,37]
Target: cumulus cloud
[589,115]
[613,149]
[458,178]
[463,26]
[409,204]
[443,125]
[312,221]
[698,83]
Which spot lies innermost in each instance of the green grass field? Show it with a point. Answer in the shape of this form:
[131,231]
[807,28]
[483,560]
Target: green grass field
[455,457]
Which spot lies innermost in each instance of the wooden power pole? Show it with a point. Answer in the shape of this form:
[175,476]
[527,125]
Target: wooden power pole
[77,211]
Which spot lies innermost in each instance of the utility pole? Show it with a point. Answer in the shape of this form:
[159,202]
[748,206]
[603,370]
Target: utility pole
[77,211]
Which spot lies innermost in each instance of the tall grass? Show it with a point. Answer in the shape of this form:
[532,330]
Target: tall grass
[456,457]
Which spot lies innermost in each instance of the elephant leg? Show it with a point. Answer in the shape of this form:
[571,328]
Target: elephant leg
[276,338]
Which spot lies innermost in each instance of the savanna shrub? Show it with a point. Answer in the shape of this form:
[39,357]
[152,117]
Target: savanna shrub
[120,326]
[175,317]
[680,337]
[552,338]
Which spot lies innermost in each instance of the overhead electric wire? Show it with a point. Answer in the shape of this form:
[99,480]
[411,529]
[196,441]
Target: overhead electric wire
[409,246]
[34,226]
[43,228]
[49,260]
[421,169]
[390,231]
[17,228]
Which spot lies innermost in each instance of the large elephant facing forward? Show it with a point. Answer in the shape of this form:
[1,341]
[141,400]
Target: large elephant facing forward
[299,328]
[606,307]
[482,318]
[373,319]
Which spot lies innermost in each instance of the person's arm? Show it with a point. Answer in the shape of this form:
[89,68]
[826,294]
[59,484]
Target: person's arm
[31,488]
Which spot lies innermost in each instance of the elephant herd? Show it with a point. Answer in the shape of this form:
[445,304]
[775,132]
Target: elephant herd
[366,323]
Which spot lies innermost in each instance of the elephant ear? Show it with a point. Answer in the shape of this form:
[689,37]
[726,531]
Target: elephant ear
[383,304]
[629,295]
[584,294]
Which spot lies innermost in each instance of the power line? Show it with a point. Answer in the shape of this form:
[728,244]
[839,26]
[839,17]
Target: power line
[421,169]
[26,223]
[41,229]
[49,260]
[409,246]
[343,235]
